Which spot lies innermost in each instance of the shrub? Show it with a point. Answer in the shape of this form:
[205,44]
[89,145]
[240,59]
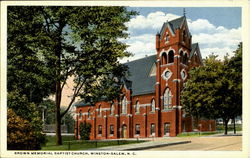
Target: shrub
[24,128]
[85,129]
[21,135]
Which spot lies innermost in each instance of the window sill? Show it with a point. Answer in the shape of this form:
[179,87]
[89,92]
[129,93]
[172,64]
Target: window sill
[166,110]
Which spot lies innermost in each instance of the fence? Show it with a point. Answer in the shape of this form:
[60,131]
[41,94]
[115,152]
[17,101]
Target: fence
[51,128]
[101,143]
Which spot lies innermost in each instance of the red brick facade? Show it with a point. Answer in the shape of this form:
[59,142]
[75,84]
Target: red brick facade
[158,113]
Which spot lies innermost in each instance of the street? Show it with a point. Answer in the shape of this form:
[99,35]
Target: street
[218,143]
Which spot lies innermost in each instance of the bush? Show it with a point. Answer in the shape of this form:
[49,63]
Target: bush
[24,128]
[21,135]
[85,129]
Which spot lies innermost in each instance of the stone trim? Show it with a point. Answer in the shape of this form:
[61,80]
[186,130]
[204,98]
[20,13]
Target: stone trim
[176,80]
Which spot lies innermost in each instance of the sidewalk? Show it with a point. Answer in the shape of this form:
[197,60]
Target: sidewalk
[230,133]
[142,146]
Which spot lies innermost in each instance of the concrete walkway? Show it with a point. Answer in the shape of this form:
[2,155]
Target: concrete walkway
[142,146]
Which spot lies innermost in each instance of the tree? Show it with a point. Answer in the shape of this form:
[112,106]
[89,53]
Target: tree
[234,73]
[214,90]
[69,122]
[85,129]
[24,128]
[49,112]
[83,42]
[27,73]
[28,78]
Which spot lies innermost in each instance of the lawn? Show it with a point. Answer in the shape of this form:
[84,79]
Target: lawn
[197,134]
[219,129]
[69,143]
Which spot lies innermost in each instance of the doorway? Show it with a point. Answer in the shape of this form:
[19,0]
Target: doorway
[124,131]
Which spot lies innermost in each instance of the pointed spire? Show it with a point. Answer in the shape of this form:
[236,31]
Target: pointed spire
[184,12]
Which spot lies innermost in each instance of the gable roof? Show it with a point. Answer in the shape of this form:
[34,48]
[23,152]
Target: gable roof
[139,74]
[173,24]
[195,48]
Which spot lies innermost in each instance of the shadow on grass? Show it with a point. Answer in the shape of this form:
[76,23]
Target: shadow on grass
[69,143]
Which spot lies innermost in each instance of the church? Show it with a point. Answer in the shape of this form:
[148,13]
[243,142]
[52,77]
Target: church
[150,104]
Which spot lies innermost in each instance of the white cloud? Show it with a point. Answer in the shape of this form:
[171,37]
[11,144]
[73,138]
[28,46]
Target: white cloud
[154,21]
[212,39]
[200,25]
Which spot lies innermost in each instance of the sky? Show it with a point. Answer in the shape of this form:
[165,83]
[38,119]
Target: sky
[216,29]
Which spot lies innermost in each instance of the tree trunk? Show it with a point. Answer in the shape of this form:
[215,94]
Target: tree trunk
[234,126]
[58,52]
[58,117]
[225,124]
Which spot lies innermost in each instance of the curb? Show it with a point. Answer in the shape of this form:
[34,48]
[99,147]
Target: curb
[142,147]
[157,146]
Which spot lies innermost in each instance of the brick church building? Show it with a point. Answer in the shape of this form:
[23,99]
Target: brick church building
[150,104]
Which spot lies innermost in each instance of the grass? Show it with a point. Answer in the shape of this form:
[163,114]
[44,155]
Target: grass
[229,128]
[69,143]
[197,134]
[219,129]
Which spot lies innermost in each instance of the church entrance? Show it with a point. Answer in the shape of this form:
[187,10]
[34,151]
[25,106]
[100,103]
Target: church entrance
[124,131]
[166,129]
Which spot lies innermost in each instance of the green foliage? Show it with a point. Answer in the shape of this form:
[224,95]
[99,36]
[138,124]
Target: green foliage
[85,129]
[50,44]
[215,90]
[24,128]
[49,114]
[26,73]
[69,121]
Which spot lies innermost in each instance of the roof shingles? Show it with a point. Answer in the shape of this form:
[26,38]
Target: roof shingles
[139,74]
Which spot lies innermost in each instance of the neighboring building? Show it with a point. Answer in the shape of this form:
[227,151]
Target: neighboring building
[150,103]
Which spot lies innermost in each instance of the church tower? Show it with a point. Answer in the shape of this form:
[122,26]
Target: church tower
[173,46]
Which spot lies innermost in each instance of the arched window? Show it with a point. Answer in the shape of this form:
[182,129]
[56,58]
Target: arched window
[164,59]
[137,108]
[171,56]
[181,55]
[167,38]
[184,36]
[89,113]
[153,105]
[80,114]
[124,105]
[100,110]
[112,108]
[185,59]
[167,99]
[196,58]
